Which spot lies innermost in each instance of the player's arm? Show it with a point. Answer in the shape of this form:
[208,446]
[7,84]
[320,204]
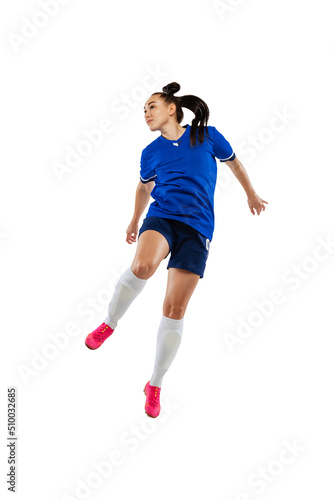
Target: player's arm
[148,186]
[254,200]
[240,173]
[143,193]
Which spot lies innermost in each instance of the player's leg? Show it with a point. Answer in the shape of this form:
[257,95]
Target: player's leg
[180,287]
[152,248]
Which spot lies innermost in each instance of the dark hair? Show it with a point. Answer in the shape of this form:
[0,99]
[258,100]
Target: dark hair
[192,102]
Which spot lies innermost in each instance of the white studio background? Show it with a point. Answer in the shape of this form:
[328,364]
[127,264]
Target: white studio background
[246,404]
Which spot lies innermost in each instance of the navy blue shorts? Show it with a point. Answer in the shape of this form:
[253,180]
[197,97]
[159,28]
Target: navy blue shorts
[188,248]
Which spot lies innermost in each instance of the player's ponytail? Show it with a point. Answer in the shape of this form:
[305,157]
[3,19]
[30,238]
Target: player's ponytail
[192,102]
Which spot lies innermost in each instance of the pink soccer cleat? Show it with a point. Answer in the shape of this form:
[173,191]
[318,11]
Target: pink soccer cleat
[98,336]
[152,405]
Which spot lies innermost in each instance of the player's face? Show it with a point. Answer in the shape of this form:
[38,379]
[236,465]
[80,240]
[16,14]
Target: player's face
[156,112]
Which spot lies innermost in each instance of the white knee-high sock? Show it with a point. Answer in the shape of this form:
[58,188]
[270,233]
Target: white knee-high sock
[127,289]
[168,342]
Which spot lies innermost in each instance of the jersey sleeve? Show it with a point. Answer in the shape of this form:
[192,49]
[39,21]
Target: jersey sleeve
[147,173]
[221,147]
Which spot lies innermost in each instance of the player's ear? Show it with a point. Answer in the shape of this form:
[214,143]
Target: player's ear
[171,109]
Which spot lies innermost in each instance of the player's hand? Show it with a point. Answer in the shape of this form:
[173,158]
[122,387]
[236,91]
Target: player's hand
[256,203]
[131,232]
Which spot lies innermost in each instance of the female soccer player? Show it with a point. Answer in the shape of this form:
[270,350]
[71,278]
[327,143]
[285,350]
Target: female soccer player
[179,170]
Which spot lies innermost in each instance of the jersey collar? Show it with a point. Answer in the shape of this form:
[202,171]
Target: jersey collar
[185,134]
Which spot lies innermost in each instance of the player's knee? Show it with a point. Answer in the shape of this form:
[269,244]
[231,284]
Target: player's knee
[174,311]
[143,269]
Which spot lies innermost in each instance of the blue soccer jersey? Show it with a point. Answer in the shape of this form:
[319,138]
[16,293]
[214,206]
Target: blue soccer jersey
[185,177]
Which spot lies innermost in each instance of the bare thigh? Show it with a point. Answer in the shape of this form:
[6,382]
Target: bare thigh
[152,248]
[180,287]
